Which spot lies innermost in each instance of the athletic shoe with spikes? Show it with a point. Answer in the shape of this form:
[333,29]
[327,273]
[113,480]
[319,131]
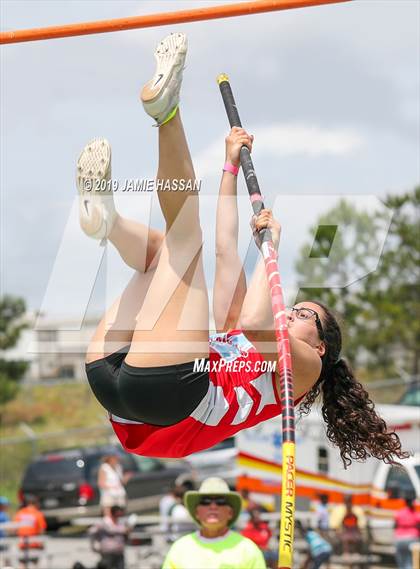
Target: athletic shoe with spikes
[160,95]
[96,201]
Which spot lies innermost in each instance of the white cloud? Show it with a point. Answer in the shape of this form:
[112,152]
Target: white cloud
[286,140]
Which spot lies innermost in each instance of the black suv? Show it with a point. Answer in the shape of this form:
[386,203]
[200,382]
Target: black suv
[65,481]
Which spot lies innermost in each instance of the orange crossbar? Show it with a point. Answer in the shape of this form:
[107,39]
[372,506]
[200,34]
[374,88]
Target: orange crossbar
[162,19]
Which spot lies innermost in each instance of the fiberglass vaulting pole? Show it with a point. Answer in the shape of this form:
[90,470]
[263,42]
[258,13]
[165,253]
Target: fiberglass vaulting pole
[282,337]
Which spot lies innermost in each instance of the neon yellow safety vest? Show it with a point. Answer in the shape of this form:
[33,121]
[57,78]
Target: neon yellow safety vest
[232,551]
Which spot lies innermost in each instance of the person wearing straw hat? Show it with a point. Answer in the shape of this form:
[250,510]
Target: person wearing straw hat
[215,509]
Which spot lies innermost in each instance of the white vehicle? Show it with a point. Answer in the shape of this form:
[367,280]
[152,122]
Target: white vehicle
[376,486]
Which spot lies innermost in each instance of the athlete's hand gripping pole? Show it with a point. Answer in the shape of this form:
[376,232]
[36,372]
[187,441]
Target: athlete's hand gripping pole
[282,337]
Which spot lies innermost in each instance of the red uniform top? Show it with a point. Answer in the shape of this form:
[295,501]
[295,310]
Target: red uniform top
[241,394]
[260,534]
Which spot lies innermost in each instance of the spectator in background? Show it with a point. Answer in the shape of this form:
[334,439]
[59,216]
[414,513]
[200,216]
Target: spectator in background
[260,533]
[349,521]
[33,526]
[322,513]
[407,532]
[166,504]
[248,503]
[4,517]
[320,550]
[172,506]
[181,522]
[215,509]
[111,482]
[109,537]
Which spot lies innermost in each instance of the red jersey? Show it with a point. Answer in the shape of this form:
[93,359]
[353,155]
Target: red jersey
[260,534]
[241,394]
[350,521]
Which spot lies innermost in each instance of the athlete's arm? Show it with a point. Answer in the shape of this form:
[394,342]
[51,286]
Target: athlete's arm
[230,283]
[257,312]
[306,363]
[258,324]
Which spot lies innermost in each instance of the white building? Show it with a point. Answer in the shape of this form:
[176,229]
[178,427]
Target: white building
[59,350]
[54,349]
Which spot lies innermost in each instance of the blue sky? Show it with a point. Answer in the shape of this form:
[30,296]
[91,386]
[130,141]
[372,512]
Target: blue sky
[331,94]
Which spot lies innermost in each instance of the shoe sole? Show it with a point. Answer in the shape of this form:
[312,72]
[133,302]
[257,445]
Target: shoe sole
[169,53]
[93,165]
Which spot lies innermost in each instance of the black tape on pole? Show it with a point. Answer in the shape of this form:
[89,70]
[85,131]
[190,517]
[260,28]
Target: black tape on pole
[245,155]
[229,101]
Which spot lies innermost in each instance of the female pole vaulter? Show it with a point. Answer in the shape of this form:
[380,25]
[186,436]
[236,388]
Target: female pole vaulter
[170,388]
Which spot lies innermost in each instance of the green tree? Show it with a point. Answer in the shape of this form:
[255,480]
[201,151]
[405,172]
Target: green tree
[330,267]
[380,311]
[12,311]
[391,298]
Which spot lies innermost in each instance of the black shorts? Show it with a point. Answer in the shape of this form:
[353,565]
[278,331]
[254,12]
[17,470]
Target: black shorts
[161,395]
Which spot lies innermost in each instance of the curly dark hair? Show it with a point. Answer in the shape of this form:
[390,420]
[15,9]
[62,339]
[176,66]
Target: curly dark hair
[352,422]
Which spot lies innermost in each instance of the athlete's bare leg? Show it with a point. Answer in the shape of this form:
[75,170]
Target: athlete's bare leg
[138,245]
[172,325]
[167,305]
[115,330]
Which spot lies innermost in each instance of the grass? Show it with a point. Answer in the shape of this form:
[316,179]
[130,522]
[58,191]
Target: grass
[49,408]
[51,412]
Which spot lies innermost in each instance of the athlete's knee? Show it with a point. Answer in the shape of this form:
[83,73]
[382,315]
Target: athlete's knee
[183,217]
[185,240]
